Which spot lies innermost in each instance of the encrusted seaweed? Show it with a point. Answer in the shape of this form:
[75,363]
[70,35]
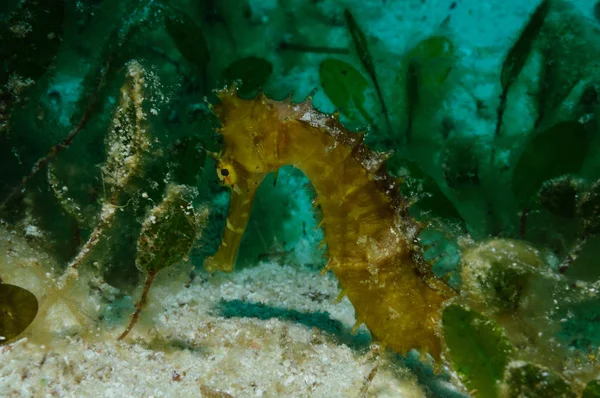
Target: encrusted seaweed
[372,242]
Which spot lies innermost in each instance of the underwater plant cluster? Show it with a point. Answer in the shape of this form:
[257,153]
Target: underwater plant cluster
[177,189]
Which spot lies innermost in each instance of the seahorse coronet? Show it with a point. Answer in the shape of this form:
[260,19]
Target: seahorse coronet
[371,240]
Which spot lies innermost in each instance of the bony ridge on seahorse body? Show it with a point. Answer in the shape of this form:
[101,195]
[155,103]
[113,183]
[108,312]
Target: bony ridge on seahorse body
[372,242]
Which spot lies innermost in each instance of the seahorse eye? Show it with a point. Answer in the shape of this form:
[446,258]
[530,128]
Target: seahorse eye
[226,173]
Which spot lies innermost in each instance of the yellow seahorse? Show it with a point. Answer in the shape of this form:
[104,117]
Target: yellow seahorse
[372,242]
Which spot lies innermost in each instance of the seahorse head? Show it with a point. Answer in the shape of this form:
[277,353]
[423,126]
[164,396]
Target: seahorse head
[250,136]
[251,144]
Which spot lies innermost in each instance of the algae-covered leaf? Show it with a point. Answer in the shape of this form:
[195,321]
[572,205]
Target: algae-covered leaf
[167,236]
[592,390]
[188,38]
[344,85]
[253,72]
[18,308]
[532,381]
[560,195]
[519,52]
[31,38]
[169,231]
[559,150]
[477,348]
[499,273]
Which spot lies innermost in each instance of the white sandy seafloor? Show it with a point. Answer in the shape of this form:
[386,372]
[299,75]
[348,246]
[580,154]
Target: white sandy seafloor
[188,343]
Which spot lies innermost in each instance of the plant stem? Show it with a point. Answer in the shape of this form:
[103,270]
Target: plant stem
[140,305]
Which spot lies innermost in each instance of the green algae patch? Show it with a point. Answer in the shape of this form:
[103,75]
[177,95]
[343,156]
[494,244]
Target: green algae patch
[477,348]
[532,381]
[18,308]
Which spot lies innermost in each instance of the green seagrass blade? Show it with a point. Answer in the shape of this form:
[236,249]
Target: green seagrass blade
[18,308]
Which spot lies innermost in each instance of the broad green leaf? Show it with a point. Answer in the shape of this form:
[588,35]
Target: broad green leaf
[592,390]
[252,72]
[188,38]
[344,85]
[532,381]
[520,51]
[432,60]
[424,69]
[477,348]
[31,38]
[18,308]
[169,231]
[559,150]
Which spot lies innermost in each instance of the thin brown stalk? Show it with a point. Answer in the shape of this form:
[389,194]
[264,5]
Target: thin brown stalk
[141,304]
